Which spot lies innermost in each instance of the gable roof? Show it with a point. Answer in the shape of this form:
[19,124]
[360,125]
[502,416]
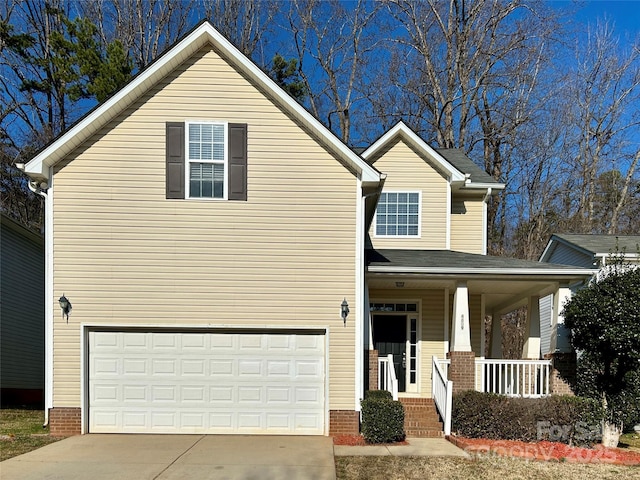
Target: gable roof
[593,245]
[452,163]
[201,35]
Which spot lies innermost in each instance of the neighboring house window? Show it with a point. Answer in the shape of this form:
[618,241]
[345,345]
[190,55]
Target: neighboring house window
[398,214]
[206,160]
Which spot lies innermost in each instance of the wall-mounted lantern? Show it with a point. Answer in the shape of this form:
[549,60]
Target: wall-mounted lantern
[65,305]
[344,311]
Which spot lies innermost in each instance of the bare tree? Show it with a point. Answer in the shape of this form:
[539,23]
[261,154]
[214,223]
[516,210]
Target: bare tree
[602,125]
[472,69]
[246,23]
[145,27]
[334,43]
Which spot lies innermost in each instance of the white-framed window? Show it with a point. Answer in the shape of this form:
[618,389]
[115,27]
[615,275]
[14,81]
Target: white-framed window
[206,158]
[398,214]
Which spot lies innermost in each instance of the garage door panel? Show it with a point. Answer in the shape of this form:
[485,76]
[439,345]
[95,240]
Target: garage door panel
[206,383]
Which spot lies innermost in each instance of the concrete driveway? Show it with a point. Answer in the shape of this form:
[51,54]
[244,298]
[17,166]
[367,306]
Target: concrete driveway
[168,457]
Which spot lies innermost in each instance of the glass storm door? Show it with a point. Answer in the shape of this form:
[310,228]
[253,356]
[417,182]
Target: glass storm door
[398,335]
[390,337]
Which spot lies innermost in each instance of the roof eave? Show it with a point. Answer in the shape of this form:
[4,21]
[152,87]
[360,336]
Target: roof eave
[580,273]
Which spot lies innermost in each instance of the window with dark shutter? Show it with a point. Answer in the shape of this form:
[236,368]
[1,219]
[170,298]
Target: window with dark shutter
[238,161]
[175,145]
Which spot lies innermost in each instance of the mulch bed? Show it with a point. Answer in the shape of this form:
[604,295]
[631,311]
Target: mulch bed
[359,441]
[547,451]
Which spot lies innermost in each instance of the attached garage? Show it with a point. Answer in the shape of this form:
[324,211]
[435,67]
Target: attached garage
[207,381]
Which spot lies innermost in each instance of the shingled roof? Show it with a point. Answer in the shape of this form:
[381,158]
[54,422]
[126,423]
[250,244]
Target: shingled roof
[602,244]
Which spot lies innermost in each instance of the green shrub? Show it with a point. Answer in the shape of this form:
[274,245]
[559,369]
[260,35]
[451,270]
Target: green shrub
[382,419]
[378,395]
[566,419]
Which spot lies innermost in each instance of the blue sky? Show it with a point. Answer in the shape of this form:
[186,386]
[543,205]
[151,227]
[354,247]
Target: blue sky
[625,13]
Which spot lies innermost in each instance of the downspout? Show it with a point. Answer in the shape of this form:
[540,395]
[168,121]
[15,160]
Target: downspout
[362,293]
[40,189]
[485,230]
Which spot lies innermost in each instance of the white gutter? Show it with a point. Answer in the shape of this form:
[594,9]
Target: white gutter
[48,294]
[484,186]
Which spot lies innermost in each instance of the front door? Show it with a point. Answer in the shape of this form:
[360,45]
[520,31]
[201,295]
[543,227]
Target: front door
[390,337]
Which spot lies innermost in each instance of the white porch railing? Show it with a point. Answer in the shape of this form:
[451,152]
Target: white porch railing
[444,363]
[442,390]
[387,379]
[515,378]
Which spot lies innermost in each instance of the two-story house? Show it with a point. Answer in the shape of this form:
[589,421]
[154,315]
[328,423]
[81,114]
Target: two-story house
[235,268]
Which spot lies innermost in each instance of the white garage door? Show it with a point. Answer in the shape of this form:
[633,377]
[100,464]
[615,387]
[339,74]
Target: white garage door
[183,382]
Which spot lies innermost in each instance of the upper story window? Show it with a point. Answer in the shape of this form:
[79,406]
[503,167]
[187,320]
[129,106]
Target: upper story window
[207,160]
[398,215]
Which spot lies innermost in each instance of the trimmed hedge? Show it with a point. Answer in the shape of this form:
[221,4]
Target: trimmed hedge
[378,395]
[382,418]
[558,418]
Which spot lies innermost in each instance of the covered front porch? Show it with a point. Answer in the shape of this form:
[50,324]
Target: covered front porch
[426,332]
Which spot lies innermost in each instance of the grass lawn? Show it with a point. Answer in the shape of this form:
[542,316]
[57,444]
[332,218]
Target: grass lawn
[21,431]
[490,468]
[631,441]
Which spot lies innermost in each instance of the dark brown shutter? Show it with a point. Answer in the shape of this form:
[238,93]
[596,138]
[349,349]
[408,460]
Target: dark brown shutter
[175,160]
[237,161]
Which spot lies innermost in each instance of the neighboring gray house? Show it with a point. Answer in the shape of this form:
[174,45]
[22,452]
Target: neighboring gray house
[21,315]
[578,250]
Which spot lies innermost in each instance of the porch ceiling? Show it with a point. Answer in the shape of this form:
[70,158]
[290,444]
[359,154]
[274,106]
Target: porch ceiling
[506,282]
[499,294]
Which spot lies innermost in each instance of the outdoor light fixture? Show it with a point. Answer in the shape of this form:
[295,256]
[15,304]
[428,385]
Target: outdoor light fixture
[344,311]
[65,305]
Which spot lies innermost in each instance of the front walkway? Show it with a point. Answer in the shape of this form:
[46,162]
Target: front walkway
[417,447]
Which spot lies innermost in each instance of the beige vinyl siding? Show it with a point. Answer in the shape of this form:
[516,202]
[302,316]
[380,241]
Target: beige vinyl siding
[124,255]
[431,323]
[406,171]
[467,225]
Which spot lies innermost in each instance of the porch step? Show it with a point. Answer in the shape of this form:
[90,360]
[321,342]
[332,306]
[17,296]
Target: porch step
[421,419]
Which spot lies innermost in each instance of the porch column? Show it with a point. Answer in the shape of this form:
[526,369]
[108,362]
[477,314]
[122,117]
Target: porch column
[460,334]
[495,344]
[463,367]
[531,348]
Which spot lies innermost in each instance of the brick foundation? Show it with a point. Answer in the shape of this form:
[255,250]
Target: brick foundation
[344,422]
[371,359]
[563,372]
[462,371]
[64,422]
